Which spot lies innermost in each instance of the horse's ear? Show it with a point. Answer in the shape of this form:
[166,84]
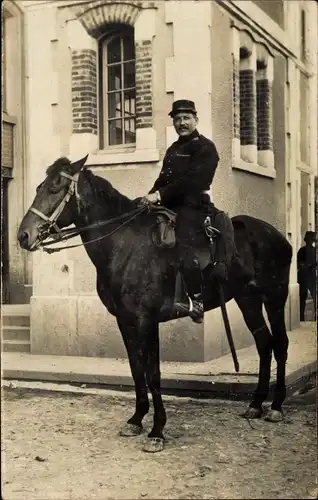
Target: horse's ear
[78,165]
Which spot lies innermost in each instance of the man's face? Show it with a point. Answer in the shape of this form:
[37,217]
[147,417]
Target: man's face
[185,123]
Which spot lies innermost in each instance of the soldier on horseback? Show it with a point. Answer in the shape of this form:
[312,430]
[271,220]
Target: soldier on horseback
[183,186]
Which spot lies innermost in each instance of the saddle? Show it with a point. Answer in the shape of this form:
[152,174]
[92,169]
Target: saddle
[164,234]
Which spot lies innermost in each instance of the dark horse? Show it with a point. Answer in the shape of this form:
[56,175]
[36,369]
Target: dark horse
[136,280]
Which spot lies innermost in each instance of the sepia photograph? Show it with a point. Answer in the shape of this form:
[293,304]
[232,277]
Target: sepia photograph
[159,215]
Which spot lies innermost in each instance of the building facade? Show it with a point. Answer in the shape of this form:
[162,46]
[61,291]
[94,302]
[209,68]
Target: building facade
[100,79]
[16,266]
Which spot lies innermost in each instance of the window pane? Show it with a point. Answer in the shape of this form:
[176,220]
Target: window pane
[114,77]
[113,51]
[130,132]
[129,75]
[114,105]
[115,133]
[303,122]
[129,47]
[129,102]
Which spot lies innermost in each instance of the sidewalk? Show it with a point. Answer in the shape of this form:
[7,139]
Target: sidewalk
[212,378]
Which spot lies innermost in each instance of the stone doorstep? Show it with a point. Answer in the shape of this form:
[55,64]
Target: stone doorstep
[216,376]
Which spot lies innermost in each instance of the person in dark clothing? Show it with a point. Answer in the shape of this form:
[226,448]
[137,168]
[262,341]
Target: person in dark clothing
[183,186]
[306,272]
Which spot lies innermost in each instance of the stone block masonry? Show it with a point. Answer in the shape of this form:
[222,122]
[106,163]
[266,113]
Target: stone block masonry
[248,128]
[236,98]
[143,51]
[264,115]
[84,91]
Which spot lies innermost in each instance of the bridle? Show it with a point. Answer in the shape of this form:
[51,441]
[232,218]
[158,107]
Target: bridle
[51,222]
[51,230]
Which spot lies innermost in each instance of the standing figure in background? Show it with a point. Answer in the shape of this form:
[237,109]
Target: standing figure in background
[306,272]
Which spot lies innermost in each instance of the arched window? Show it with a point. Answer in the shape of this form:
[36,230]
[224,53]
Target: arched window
[118,88]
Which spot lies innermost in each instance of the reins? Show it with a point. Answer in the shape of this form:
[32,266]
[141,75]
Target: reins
[66,234]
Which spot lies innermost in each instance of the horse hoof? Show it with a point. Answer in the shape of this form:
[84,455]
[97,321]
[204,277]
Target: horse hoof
[153,445]
[253,413]
[274,416]
[130,430]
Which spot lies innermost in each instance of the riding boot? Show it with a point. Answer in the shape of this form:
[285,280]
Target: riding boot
[191,274]
[226,253]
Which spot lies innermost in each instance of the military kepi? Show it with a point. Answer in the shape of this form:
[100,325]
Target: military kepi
[182,105]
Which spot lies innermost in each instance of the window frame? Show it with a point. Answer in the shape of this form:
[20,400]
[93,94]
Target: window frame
[4,62]
[303,37]
[304,117]
[104,92]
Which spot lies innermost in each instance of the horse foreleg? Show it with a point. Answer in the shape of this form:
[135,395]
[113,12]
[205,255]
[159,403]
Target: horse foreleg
[136,346]
[251,308]
[156,439]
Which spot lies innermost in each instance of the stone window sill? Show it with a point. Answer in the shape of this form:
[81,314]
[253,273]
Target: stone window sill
[113,157]
[304,167]
[254,168]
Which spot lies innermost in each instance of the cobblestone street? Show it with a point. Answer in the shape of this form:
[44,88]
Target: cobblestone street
[66,446]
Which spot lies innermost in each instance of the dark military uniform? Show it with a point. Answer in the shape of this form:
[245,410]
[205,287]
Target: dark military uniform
[183,184]
[188,170]
[187,174]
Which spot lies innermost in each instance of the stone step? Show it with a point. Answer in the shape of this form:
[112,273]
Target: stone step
[22,309]
[15,346]
[21,333]
[15,314]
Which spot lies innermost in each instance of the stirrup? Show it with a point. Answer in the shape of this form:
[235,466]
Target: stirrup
[194,308]
[196,312]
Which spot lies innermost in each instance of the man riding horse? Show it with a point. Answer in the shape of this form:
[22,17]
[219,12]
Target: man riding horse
[183,186]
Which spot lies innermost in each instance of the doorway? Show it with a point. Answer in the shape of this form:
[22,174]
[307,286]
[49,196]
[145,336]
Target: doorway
[5,296]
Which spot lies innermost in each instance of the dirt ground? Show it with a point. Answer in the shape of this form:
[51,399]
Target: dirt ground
[66,446]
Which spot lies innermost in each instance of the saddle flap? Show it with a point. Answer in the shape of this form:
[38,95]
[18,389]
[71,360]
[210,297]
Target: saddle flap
[160,210]
[163,234]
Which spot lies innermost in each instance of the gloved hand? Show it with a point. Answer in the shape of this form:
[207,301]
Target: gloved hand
[150,198]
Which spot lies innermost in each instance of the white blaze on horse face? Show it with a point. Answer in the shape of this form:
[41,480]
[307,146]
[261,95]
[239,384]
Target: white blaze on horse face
[185,123]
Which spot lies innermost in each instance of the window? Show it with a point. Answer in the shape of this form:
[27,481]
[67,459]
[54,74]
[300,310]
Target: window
[303,35]
[4,64]
[264,107]
[303,110]
[247,99]
[253,106]
[118,89]
[274,9]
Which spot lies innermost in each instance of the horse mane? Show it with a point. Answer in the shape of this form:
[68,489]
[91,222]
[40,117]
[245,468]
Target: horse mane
[103,191]
[57,166]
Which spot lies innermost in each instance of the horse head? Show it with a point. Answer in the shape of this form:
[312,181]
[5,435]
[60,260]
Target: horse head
[54,204]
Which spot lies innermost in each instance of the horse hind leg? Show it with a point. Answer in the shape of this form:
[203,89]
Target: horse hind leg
[251,308]
[275,308]
[136,347]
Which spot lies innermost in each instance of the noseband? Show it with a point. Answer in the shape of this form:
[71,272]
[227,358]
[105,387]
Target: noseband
[51,222]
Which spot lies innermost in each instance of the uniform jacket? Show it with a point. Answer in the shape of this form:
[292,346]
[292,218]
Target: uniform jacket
[306,263]
[187,171]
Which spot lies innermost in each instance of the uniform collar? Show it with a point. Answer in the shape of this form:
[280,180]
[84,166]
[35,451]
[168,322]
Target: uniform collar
[188,138]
